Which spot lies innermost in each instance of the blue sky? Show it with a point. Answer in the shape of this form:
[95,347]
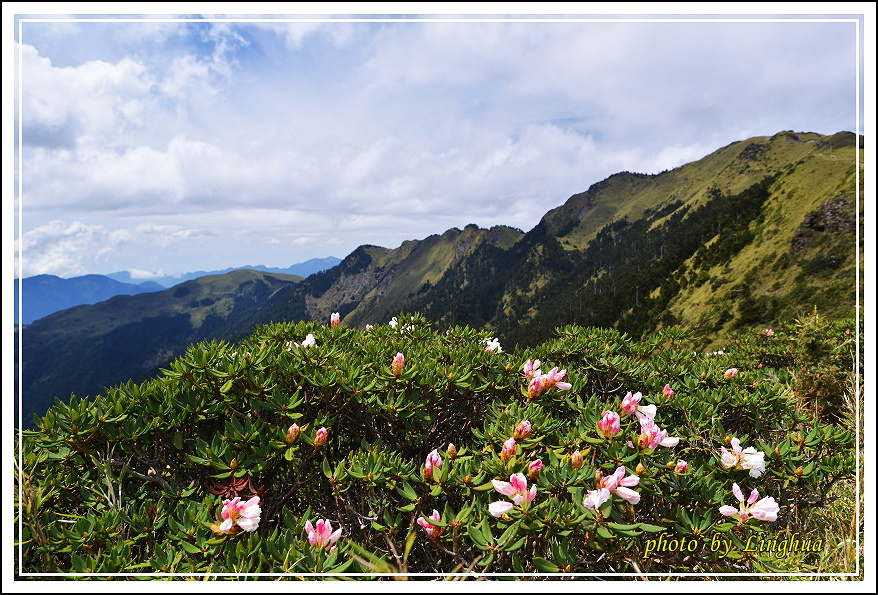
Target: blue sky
[167,147]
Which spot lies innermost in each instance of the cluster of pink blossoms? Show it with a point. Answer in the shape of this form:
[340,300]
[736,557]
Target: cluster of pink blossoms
[651,435]
[617,483]
[540,383]
[765,509]
[748,458]
[516,489]
[239,515]
[322,536]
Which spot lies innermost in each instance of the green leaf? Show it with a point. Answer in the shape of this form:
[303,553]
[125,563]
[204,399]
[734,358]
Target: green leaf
[650,528]
[227,386]
[484,487]
[623,527]
[406,491]
[517,545]
[190,548]
[544,565]
[477,537]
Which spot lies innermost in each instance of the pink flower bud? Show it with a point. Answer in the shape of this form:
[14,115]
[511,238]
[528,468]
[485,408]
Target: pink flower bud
[433,460]
[730,373]
[509,449]
[522,430]
[576,460]
[533,470]
[432,531]
[334,319]
[293,434]
[681,467]
[397,364]
[667,391]
[609,425]
[320,438]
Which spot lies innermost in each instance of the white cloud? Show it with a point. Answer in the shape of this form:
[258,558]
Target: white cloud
[311,136]
[76,248]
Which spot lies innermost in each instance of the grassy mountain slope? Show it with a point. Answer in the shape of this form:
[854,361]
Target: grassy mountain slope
[692,246]
[373,284]
[83,349]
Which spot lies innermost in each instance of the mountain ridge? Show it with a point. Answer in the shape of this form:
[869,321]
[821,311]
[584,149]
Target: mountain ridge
[757,230]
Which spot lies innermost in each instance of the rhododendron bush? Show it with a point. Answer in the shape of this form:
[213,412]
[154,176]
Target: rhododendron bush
[319,448]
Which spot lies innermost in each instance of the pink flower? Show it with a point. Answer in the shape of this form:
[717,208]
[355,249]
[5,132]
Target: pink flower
[667,391]
[322,535]
[397,364]
[334,319]
[609,425]
[536,386]
[595,498]
[681,467]
[509,449]
[763,510]
[618,484]
[539,383]
[769,332]
[433,460]
[533,470]
[432,531]
[531,369]
[557,378]
[652,436]
[320,438]
[749,458]
[646,412]
[500,508]
[730,373]
[516,490]
[369,327]
[243,515]
[522,430]
[629,403]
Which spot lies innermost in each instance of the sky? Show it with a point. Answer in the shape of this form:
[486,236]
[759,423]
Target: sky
[203,142]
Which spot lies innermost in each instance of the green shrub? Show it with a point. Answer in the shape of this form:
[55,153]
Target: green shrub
[415,463]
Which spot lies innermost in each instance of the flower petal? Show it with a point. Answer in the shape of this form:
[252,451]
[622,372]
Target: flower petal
[500,508]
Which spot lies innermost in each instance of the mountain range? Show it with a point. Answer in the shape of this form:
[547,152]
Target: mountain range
[303,269]
[757,232]
[47,294]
